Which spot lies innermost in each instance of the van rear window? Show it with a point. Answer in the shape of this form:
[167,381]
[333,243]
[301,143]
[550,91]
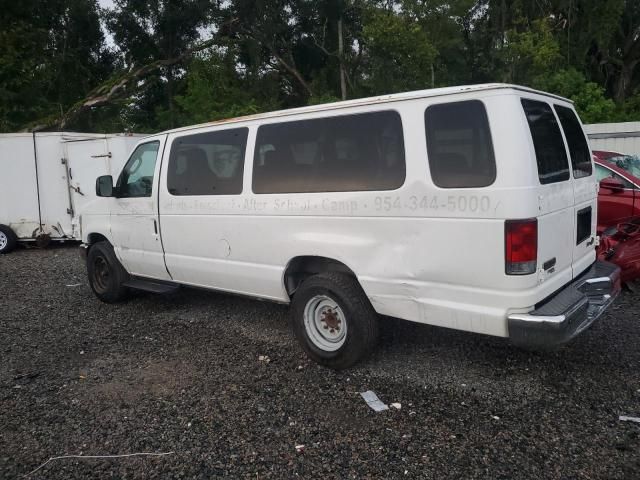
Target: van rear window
[459,145]
[335,154]
[578,146]
[551,156]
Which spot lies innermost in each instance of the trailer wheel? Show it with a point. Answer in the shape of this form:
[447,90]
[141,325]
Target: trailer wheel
[106,273]
[333,320]
[8,239]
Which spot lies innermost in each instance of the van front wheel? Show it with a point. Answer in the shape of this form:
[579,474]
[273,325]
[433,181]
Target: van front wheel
[333,320]
[106,273]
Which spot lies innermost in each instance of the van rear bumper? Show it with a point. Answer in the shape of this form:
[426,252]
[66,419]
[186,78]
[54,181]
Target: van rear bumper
[568,312]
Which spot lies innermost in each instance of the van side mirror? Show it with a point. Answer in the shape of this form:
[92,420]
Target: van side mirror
[104,186]
[613,184]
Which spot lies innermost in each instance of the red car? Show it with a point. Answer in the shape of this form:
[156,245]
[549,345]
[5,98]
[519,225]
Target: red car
[619,195]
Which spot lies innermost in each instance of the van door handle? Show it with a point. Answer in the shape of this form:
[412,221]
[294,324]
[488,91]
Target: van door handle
[155,226]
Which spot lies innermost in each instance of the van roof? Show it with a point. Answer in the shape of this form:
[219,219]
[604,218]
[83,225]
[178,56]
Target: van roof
[394,97]
[71,136]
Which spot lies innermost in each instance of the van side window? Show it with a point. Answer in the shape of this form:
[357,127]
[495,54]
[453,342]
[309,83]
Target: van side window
[359,152]
[551,156]
[136,179]
[209,163]
[459,145]
[578,146]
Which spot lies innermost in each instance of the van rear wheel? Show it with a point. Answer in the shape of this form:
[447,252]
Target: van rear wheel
[106,273]
[333,320]
[8,239]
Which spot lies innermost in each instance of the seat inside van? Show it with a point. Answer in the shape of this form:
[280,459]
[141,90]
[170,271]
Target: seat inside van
[193,173]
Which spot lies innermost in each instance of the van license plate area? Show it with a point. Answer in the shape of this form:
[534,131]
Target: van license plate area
[583,225]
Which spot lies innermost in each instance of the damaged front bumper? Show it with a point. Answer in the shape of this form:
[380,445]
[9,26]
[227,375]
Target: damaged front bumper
[568,312]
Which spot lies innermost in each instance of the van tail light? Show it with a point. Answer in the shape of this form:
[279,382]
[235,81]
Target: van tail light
[521,246]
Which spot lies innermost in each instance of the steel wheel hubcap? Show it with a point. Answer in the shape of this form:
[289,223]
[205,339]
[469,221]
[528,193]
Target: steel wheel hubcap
[3,240]
[325,323]
[101,273]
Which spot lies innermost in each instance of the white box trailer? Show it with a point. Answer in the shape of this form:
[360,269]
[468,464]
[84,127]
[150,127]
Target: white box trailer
[47,178]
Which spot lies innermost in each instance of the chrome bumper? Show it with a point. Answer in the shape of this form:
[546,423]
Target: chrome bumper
[568,312]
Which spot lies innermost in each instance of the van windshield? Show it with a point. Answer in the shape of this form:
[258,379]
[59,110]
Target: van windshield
[630,163]
[551,156]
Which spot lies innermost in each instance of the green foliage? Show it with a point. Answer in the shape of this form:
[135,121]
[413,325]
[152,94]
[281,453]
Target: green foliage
[51,54]
[400,56]
[530,51]
[589,97]
[214,91]
[629,111]
[272,54]
[324,98]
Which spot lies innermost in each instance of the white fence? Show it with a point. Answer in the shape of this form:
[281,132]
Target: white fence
[615,137]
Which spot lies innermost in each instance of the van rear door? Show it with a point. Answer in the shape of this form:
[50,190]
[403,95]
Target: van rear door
[584,188]
[556,213]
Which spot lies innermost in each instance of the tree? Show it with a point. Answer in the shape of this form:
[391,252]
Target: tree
[270,36]
[164,31]
[589,97]
[216,89]
[177,62]
[621,55]
[399,55]
[530,52]
[52,53]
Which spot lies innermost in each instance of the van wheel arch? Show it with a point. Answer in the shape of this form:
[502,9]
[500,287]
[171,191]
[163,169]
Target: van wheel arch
[302,267]
[94,238]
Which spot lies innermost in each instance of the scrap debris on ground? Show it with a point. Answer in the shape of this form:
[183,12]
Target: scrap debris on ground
[179,374]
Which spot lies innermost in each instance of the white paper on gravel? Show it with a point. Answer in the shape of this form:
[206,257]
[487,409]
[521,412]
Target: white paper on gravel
[624,418]
[373,401]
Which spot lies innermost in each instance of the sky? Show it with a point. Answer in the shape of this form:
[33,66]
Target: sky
[107,35]
[204,32]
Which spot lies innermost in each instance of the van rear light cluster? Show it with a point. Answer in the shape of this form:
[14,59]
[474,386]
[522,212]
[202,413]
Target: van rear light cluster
[521,246]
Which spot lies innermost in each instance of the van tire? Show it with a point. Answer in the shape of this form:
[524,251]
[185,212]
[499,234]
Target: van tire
[321,294]
[8,239]
[106,273]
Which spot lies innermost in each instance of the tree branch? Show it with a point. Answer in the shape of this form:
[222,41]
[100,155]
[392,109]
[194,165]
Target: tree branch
[109,92]
[289,67]
[292,70]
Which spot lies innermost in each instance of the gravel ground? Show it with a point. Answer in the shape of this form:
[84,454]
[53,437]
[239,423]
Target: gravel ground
[182,374]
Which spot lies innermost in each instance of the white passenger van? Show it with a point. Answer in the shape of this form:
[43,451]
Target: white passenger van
[471,208]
